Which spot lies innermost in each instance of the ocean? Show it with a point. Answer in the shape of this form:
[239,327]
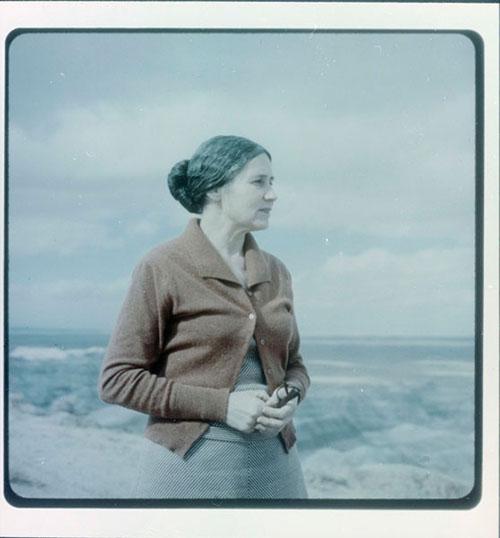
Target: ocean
[384,418]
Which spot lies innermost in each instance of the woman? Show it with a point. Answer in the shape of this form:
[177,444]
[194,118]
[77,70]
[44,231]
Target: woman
[206,342]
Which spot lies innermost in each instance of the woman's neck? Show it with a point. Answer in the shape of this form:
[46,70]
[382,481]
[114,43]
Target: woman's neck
[227,239]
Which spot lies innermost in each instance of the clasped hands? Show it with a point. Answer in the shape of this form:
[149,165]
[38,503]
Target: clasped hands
[255,410]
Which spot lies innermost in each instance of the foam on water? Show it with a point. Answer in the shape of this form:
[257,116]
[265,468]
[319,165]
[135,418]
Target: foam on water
[33,353]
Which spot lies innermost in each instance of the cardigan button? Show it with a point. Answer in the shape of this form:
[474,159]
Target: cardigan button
[251,316]
[262,341]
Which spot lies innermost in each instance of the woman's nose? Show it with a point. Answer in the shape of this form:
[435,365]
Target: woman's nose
[270,195]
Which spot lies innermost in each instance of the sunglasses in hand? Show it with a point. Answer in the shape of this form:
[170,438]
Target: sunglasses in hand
[291,392]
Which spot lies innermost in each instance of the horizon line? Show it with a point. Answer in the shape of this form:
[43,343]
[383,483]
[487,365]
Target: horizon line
[302,336]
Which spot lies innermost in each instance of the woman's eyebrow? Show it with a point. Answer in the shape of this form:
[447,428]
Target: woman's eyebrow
[258,176]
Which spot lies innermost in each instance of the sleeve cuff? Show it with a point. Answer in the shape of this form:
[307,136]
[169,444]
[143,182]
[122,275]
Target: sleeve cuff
[295,382]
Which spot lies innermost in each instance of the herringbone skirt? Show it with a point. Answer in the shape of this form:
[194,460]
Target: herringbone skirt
[215,469]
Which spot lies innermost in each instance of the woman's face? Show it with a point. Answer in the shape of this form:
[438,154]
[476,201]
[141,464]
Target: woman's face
[246,201]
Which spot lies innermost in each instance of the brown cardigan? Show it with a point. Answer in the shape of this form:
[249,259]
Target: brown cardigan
[183,332]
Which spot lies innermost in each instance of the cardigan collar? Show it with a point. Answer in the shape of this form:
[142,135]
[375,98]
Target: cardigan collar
[210,263]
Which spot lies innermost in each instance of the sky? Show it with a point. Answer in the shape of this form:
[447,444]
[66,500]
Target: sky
[372,141]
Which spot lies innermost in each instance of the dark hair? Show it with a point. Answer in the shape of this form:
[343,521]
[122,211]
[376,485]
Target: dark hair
[213,164]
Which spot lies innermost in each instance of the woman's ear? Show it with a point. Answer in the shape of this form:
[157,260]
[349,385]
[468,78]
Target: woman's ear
[214,195]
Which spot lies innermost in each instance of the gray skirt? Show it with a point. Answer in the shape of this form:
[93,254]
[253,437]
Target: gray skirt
[216,468]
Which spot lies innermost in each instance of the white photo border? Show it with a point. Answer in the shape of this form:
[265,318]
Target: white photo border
[478,521]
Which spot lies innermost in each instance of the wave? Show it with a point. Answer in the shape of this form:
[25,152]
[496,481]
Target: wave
[32,353]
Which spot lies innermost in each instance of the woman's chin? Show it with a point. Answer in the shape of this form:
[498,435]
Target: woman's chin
[260,224]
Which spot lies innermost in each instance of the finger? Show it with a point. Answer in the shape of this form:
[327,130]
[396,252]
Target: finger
[281,392]
[270,422]
[273,399]
[288,408]
[267,431]
[262,395]
[276,396]
[277,412]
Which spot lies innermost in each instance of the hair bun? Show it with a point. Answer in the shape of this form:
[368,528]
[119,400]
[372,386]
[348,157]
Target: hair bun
[177,178]
[179,186]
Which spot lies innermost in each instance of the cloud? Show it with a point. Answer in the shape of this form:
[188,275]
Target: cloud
[394,175]
[373,133]
[116,141]
[76,303]
[143,227]
[387,214]
[74,229]
[59,234]
[429,292]
[404,173]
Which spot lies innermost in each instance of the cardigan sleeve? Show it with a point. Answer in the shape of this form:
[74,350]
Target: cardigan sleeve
[296,373]
[136,345]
